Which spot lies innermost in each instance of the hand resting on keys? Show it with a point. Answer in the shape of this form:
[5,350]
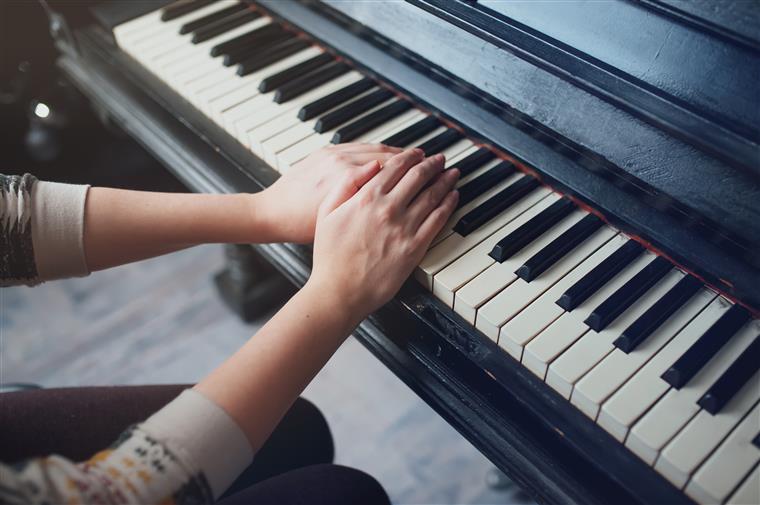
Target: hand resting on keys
[369,240]
[292,202]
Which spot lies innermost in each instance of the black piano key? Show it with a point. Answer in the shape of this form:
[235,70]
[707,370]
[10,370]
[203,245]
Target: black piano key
[474,161]
[495,205]
[485,181]
[708,345]
[657,314]
[276,80]
[531,230]
[756,441]
[181,8]
[310,81]
[322,105]
[733,379]
[274,54]
[412,132]
[441,142]
[223,25]
[600,275]
[361,126]
[627,294]
[351,110]
[210,18]
[250,41]
[239,54]
[559,247]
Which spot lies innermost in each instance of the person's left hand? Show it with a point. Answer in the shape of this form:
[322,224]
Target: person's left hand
[292,202]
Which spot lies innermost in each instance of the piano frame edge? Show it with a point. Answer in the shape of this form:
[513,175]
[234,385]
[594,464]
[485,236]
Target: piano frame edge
[531,433]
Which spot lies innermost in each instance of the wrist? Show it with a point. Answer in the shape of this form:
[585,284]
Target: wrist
[261,224]
[334,303]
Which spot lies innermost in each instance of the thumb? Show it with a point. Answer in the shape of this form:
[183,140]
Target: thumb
[352,183]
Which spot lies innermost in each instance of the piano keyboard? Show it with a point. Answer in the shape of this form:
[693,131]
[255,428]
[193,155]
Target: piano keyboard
[655,358]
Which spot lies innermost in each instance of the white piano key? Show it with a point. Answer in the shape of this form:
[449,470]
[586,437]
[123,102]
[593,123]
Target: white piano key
[246,107]
[593,346]
[154,31]
[175,61]
[448,228]
[451,161]
[519,293]
[658,426]
[640,392]
[484,293]
[257,136]
[287,115]
[379,138]
[748,492]
[477,261]
[405,119]
[134,26]
[526,325]
[612,372]
[155,26]
[425,138]
[197,61]
[166,35]
[213,99]
[550,345]
[286,137]
[694,443]
[454,246]
[302,149]
[456,148]
[729,464]
[274,140]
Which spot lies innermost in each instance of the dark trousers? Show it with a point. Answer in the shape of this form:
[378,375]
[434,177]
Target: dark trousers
[294,466]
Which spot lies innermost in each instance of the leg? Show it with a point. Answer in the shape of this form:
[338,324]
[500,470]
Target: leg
[301,439]
[78,422]
[313,485]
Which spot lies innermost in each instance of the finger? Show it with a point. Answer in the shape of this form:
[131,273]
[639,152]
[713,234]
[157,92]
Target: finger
[395,168]
[431,197]
[434,222]
[366,157]
[359,147]
[416,178]
[348,187]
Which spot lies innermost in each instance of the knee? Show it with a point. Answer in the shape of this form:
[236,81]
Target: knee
[349,485]
[314,424]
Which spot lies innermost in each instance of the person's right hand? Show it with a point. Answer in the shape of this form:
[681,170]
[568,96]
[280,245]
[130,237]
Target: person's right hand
[369,240]
[292,202]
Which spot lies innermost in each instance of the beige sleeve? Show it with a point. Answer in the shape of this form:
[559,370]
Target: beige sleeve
[58,230]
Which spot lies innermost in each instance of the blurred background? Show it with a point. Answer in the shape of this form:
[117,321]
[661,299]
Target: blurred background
[162,321]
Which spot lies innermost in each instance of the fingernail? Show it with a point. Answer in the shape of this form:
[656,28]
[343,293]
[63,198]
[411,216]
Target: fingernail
[418,151]
[453,173]
[439,157]
[454,194]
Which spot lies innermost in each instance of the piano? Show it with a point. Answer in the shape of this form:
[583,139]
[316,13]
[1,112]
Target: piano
[588,318]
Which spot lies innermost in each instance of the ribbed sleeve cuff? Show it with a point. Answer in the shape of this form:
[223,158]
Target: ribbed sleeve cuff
[204,437]
[58,229]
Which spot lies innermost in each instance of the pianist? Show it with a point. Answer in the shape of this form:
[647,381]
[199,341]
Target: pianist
[375,210]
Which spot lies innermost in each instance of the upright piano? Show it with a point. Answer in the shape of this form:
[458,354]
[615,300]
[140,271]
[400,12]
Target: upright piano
[588,318]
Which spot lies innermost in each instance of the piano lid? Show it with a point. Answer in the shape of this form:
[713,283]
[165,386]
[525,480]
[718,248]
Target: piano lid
[653,98]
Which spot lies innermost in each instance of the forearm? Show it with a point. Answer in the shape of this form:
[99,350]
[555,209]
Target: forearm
[123,226]
[257,385]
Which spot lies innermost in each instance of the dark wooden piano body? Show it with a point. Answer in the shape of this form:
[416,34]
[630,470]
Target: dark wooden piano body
[660,142]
